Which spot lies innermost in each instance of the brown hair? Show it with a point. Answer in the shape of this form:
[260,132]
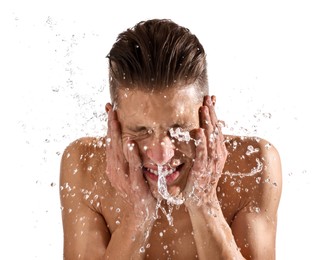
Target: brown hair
[157,54]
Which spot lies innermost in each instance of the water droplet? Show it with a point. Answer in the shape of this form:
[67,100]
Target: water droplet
[117,222]
[268,146]
[131,146]
[100,143]
[142,249]
[117,210]
[251,150]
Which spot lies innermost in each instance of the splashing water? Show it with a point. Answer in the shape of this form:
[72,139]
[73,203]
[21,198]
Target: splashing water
[162,188]
[171,201]
[179,134]
[168,213]
[254,170]
[182,136]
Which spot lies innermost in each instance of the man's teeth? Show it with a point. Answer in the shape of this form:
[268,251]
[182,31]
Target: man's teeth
[167,172]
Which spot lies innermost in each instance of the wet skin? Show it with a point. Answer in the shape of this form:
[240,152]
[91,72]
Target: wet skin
[111,193]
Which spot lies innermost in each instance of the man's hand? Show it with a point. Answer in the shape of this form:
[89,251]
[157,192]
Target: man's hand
[124,170]
[210,158]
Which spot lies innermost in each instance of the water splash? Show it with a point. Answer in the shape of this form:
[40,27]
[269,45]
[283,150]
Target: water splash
[168,213]
[162,188]
[254,171]
[182,135]
[170,200]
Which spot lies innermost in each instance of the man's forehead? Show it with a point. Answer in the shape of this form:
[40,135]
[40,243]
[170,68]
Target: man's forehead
[191,91]
[160,109]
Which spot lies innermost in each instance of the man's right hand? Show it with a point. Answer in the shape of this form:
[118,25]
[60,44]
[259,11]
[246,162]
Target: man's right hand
[124,170]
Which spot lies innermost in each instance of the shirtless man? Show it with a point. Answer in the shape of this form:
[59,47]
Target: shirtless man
[161,121]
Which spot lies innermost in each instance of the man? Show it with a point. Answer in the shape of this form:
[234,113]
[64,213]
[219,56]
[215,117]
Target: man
[165,183]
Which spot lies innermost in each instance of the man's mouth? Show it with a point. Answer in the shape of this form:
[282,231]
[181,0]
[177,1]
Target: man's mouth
[166,172]
[171,174]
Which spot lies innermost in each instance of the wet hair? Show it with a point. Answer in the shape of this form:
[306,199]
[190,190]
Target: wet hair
[157,54]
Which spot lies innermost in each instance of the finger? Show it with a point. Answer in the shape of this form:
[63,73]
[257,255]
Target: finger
[201,151]
[116,163]
[216,124]
[210,103]
[135,165]
[214,100]
[209,129]
[112,115]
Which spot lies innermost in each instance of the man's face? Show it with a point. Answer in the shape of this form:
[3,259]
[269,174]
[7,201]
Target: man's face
[151,119]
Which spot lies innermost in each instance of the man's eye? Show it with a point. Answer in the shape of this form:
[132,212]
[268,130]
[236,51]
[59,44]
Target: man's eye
[143,130]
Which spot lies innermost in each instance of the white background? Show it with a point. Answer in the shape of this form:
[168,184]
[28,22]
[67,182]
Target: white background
[270,66]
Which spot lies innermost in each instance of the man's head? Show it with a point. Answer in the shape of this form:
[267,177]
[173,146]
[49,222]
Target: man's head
[158,78]
[156,55]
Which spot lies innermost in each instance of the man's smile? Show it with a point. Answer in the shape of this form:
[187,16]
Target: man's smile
[171,174]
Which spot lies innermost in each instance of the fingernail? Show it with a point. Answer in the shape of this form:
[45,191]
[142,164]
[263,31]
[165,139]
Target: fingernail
[208,100]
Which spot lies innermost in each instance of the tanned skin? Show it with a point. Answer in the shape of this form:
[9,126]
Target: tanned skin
[231,185]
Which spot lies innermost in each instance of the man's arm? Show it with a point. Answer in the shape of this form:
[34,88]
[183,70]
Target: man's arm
[254,226]
[253,232]
[86,235]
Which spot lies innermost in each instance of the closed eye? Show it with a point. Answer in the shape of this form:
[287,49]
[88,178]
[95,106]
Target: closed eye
[140,130]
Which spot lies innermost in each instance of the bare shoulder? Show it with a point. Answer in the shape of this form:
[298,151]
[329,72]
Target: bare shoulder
[253,167]
[251,155]
[82,166]
[252,186]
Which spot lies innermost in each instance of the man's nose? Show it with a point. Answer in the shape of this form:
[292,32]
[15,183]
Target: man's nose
[161,151]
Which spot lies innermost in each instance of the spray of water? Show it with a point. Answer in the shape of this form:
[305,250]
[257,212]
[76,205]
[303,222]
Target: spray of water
[182,135]
[162,188]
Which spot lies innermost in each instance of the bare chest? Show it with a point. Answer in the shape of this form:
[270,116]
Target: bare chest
[171,242]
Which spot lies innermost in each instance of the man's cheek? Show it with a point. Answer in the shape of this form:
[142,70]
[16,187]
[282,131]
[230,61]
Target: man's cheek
[186,149]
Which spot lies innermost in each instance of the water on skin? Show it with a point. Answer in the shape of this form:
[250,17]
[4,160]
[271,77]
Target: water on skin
[184,136]
[163,191]
[181,136]
[162,188]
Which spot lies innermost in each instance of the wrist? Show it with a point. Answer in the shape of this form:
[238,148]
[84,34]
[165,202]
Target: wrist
[195,202]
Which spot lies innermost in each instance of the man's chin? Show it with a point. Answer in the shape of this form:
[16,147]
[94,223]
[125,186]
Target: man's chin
[173,190]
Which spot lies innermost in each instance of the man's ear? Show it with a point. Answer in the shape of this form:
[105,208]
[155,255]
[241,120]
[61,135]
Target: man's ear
[108,107]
